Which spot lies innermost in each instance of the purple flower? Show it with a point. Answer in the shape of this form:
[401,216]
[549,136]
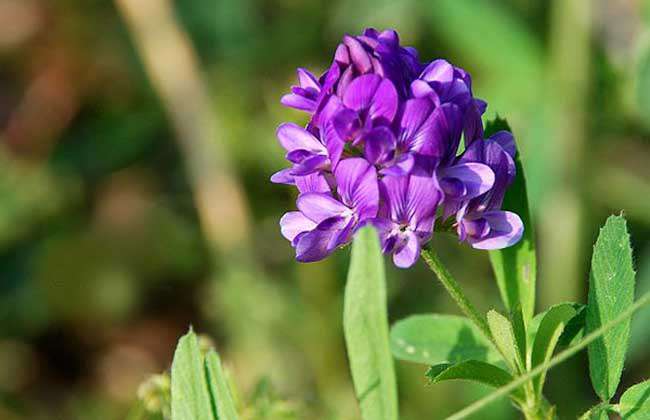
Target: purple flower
[369,101]
[444,83]
[306,95]
[406,216]
[324,222]
[479,220]
[382,147]
[372,52]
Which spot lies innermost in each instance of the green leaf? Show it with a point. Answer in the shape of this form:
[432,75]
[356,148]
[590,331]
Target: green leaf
[190,395]
[504,337]
[515,267]
[519,330]
[611,291]
[434,338]
[469,370]
[365,325]
[474,371]
[635,402]
[573,331]
[547,336]
[224,404]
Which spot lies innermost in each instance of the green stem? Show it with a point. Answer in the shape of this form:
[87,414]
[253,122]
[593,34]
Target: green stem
[455,291]
[604,406]
[559,358]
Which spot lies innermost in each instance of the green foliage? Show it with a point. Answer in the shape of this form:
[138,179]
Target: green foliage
[190,394]
[643,84]
[573,330]
[365,324]
[635,402]
[504,338]
[222,399]
[472,370]
[519,330]
[515,267]
[611,291]
[548,334]
[639,331]
[199,389]
[265,404]
[435,338]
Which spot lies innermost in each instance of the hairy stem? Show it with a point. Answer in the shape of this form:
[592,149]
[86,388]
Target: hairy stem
[453,288]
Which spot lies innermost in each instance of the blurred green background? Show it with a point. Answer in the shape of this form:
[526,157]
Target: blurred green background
[136,144]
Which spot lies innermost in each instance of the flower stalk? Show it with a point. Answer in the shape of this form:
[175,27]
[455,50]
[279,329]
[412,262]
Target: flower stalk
[456,292]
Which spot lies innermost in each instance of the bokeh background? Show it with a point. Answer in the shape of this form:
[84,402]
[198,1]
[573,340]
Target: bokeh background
[136,144]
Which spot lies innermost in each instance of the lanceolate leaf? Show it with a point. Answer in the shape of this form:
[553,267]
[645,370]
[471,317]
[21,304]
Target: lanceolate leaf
[222,400]
[635,402]
[365,324]
[504,338]
[434,338]
[190,395]
[515,267]
[611,291]
[548,334]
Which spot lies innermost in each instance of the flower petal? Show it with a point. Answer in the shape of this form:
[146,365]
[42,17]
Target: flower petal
[310,165]
[438,71]
[357,186]
[421,89]
[334,143]
[506,229]
[329,106]
[506,140]
[319,206]
[379,145]
[293,223]
[360,91]
[401,166]
[283,176]
[298,102]
[292,136]
[476,178]
[347,124]
[358,54]
[409,252]
[422,199]
[384,102]
[443,133]
[318,243]
[315,183]
[341,55]
[307,80]
[411,126]
[393,197]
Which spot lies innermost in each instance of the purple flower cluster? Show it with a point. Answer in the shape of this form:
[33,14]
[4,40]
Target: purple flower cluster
[382,147]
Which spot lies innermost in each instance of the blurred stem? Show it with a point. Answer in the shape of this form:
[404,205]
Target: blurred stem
[561,221]
[172,65]
[456,292]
